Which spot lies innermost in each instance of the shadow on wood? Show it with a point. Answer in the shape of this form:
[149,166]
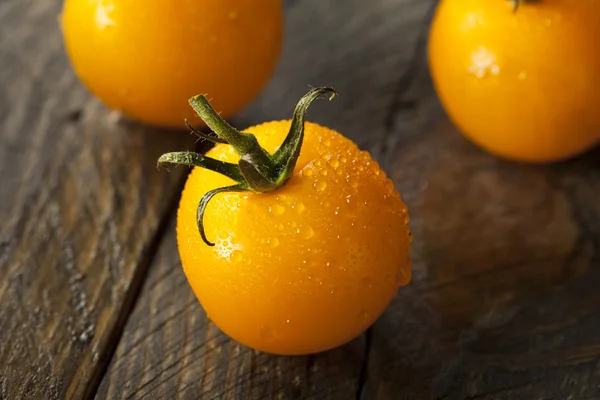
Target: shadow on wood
[504,302]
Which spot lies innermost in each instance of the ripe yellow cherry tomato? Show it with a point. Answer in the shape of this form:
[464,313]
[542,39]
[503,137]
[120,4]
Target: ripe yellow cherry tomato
[307,266]
[522,84]
[147,57]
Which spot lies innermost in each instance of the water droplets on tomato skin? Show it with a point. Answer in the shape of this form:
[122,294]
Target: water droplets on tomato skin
[274,242]
[366,283]
[236,256]
[320,185]
[306,232]
[405,217]
[403,273]
[308,171]
[276,209]
[333,163]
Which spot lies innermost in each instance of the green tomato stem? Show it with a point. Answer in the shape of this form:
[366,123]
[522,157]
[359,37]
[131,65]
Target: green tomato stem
[204,136]
[204,203]
[257,170]
[517,3]
[286,156]
[192,159]
[245,144]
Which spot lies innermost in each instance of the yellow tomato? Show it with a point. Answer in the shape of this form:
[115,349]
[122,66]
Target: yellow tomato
[524,84]
[147,57]
[308,266]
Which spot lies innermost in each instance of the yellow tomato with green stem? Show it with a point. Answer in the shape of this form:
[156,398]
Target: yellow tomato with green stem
[522,84]
[147,57]
[293,239]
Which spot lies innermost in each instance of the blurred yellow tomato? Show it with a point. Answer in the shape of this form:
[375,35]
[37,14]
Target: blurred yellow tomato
[148,57]
[522,85]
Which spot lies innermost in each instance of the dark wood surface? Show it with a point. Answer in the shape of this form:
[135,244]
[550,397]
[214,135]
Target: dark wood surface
[505,300]
[81,207]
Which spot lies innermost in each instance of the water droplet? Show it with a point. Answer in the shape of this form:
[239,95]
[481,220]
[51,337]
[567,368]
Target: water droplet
[353,182]
[401,273]
[495,69]
[324,172]
[274,242]
[333,290]
[366,283]
[287,321]
[327,142]
[405,217]
[236,256]
[320,185]
[276,209]
[306,232]
[318,163]
[308,172]
[327,264]
[482,61]
[300,207]
[334,163]
[279,226]
[267,334]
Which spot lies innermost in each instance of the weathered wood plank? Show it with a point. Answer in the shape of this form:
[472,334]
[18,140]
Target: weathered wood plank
[81,202]
[168,349]
[504,302]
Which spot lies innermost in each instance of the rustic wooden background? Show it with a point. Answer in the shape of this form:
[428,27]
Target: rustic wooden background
[505,301]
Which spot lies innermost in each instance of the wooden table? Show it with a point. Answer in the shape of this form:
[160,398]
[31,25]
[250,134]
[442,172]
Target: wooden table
[505,300]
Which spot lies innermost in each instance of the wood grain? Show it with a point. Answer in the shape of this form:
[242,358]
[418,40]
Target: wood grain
[81,205]
[504,303]
[170,350]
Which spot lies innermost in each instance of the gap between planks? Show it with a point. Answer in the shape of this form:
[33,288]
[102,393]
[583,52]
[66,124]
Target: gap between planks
[132,295]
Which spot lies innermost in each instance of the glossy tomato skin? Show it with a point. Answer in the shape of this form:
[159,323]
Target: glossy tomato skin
[307,267]
[523,85]
[148,57]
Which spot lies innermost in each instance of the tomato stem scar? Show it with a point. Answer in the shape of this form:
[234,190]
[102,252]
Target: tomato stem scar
[517,3]
[257,170]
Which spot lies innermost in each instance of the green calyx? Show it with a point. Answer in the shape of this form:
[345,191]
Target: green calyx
[257,170]
[517,3]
